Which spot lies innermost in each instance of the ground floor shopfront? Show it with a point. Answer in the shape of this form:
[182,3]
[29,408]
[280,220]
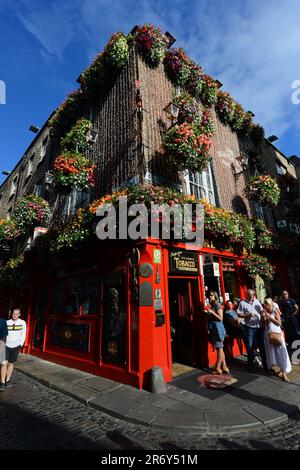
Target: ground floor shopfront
[121,308]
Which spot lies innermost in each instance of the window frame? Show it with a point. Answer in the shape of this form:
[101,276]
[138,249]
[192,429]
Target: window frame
[208,192]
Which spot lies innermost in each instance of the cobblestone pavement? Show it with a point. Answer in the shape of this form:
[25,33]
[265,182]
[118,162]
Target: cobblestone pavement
[33,416]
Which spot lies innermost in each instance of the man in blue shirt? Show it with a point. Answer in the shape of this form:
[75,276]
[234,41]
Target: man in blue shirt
[290,311]
[250,310]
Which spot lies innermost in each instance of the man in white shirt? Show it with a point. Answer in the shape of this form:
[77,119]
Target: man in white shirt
[250,310]
[14,341]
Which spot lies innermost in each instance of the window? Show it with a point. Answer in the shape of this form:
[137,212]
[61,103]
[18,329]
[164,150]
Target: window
[90,294]
[201,184]
[29,168]
[44,148]
[295,228]
[281,169]
[77,295]
[259,211]
[76,200]
[14,186]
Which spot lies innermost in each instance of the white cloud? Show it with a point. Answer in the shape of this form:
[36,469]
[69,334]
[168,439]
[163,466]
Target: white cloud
[250,46]
[53,24]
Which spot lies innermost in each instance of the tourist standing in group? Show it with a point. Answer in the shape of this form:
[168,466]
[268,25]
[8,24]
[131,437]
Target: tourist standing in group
[276,352]
[250,310]
[217,331]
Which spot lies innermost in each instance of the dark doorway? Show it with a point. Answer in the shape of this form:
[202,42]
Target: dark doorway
[183,298]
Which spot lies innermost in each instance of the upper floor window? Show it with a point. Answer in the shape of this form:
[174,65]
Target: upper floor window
[201,184]
[259,211]
[281,169]
[14,186]
[44,148]
[76,200]
[29,167]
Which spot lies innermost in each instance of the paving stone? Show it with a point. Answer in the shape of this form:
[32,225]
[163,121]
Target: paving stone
[99,383]
[75,391]
[226,420]
[144,414]
[265,414]
[114,405]
[181,416]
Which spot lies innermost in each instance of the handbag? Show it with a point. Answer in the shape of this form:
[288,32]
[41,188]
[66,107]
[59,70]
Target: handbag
[275,338]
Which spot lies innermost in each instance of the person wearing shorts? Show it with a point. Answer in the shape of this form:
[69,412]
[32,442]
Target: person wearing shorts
[14,341]
[3,335]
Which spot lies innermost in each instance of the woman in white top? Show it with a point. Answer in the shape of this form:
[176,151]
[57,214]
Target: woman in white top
[276,355]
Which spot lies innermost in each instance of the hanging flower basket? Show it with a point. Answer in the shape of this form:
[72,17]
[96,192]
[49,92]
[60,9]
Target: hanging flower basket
[75,139]
[225,106]
[257,265]
[194,84]
[31,211]
[247,123]
[177,66]
[78,229]
[116,52]
[73,171]
[15,272]
[257,134]
[8,230]
[220,224]
[189,109]
[236,121]
[264,189]
[266,239]
[187,148]
[68,109]
[93,74]
[151,44]
[207,124]
[209,91]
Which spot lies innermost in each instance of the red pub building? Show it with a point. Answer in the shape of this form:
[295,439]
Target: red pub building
[117,308]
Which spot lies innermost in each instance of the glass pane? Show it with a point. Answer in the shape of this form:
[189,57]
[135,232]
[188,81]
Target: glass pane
[73,291]
[58,297]
[114,318]
[90,294]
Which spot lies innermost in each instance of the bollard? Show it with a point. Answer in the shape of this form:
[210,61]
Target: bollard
[157,381]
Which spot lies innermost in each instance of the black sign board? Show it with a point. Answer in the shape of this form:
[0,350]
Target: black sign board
[71,335]
[182,261]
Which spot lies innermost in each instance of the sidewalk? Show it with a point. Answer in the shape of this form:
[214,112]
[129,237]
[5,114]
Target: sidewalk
[248,403]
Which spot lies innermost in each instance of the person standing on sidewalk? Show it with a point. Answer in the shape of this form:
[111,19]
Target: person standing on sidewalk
[14,341]
[250,310]
[290,323]
[3,335]
[276,354]
[215,321]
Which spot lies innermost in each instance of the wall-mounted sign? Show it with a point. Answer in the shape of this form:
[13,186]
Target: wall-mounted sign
[183,261]
[157,256]
[211,270]
[158,304]
[158,293]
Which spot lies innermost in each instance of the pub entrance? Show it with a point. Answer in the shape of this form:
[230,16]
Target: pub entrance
[183,301]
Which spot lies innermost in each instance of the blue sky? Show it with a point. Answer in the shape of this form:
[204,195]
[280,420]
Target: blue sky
[251,46]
